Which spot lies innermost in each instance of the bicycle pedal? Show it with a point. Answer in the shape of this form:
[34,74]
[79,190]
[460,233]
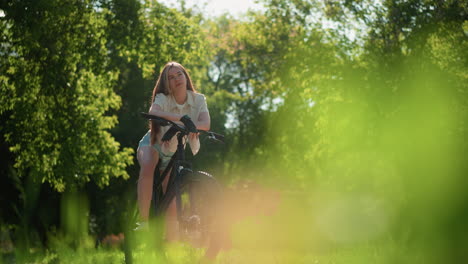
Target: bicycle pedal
[141,227]
[193,221]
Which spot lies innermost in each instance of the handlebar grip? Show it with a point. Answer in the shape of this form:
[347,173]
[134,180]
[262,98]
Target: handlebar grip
[161,121]
[217,136]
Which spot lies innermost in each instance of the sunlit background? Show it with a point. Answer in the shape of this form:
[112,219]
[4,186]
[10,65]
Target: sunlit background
[213,8]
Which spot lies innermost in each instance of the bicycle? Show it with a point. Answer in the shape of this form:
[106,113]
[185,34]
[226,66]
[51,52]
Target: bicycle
[196,193]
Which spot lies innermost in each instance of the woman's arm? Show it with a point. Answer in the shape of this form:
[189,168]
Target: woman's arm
[203,122]
[157,111]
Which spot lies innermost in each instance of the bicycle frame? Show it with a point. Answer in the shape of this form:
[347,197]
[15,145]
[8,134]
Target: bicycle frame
[177,164]
[178,168]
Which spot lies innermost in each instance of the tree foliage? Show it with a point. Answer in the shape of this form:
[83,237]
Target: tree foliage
[59,94]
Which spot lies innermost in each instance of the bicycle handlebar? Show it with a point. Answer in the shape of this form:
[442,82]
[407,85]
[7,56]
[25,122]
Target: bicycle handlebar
[179,128]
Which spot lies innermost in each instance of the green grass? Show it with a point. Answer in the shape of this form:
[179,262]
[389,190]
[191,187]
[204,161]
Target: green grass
[368,253]
[307,228]
[384,250]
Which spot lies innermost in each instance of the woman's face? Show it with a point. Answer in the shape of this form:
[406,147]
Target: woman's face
[177,80]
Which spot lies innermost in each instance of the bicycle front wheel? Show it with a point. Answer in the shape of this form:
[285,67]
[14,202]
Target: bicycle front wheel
[201,198]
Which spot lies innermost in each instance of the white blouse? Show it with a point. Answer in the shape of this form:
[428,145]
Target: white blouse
[193,106]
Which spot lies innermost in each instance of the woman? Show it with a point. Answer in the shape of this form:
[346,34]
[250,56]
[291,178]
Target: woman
[174,98]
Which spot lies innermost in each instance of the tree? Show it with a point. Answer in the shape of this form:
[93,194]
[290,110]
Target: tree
[55,62]
[57,101]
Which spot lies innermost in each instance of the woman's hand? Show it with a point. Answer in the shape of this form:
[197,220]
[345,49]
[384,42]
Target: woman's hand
[193,136]
[165,144]
[188,123]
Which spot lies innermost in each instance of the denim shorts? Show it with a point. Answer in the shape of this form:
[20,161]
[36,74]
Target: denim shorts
[164,158]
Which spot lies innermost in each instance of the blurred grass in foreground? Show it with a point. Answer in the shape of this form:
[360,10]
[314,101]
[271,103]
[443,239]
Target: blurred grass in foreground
[379,162]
